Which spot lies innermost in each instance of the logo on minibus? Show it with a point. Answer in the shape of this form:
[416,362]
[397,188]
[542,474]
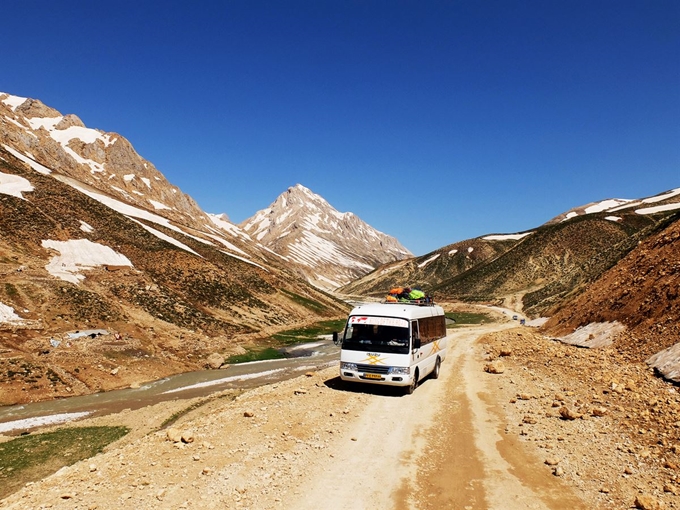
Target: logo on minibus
[373,358]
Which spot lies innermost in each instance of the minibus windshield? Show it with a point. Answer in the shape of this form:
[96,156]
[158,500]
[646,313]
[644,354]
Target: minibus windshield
[378,338]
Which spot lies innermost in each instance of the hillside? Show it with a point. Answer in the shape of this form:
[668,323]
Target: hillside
[548,264]
[534,271]
[430,270]
[641,292]
[112,277]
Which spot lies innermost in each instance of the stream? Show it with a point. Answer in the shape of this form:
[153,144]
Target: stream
[300,358]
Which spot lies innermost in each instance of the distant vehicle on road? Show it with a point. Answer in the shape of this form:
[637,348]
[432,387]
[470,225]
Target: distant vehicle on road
[514,317]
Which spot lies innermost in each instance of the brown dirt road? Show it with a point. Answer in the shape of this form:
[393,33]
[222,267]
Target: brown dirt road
[442,447]
[312,442]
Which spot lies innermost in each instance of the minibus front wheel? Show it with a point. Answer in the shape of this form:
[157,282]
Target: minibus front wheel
[414,383]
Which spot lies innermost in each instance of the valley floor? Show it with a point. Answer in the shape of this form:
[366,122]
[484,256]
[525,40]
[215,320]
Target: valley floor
[554,427]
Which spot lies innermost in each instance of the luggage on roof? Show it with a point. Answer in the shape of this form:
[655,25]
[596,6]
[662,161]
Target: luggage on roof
[407,295]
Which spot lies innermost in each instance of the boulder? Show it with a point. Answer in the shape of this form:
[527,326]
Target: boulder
[495,367]
[214,361]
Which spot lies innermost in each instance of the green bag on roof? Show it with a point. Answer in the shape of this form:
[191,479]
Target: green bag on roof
[416,294]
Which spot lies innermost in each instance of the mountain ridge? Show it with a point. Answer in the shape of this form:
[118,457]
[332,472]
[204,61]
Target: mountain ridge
[106,166]
[531,271]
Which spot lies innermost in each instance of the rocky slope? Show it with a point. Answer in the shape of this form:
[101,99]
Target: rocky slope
[327,247]
[532,271]
[600,418]
[640,292]
[103,161]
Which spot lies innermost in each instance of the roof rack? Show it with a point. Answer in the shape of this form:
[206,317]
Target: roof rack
[415,302]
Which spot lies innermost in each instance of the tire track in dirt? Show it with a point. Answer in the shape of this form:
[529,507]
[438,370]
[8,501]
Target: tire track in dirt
[468,462]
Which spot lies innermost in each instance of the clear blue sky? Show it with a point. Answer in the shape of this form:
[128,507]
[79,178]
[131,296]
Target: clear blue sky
[433,121]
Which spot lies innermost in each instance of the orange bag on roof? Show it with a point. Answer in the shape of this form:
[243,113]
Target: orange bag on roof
[397,290]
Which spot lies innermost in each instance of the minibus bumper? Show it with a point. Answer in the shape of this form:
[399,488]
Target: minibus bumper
[370,378]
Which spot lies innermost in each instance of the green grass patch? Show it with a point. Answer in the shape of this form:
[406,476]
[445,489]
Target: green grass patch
[33,457]
[306,302]
[466,318]
[310,333]
[256,355]
[11,290]
[285,338]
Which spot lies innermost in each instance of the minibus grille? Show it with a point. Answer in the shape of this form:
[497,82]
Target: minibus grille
[373,369]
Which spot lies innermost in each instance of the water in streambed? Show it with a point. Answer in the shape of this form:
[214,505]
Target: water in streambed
[300,358]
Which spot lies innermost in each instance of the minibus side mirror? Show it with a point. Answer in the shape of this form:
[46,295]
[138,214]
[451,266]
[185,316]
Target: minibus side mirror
[336,338]
[416,344]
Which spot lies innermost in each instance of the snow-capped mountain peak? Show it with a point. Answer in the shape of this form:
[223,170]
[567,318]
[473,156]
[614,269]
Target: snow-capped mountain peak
[329,247]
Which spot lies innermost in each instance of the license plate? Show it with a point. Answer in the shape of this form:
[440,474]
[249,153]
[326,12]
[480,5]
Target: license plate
[372,376]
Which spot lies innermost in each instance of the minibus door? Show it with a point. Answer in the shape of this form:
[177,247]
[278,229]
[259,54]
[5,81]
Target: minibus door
[415,336]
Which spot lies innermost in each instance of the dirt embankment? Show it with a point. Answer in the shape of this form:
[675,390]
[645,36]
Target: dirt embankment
[545,426]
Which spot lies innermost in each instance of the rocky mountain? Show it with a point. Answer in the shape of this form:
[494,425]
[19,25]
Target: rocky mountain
[642,293]
[105,162]
[112,276]
[531,271]
[327,247]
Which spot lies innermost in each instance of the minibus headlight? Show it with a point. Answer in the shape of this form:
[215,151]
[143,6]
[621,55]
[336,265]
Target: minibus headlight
[348,366]
[400,370]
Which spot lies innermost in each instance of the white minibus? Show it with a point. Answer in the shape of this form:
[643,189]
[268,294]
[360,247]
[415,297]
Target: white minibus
[396,344]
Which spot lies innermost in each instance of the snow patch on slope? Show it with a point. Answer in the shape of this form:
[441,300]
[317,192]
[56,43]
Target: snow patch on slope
[658,208]
[432,258]
[14,185]
[77,255]
[7,315]
[506,237]
[30,162]
[14,101]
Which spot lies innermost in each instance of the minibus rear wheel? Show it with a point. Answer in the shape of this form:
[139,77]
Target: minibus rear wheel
[437,366]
